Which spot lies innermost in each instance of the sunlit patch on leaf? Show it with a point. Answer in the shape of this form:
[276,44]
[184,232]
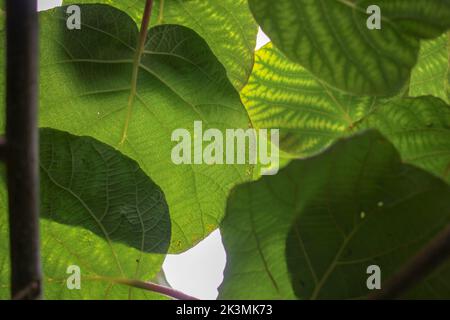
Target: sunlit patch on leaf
[331,38]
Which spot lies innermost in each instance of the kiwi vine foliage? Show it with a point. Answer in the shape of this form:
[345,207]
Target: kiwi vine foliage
[364,126]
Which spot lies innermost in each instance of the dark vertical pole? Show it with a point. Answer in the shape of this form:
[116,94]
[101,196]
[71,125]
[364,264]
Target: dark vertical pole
[22,147]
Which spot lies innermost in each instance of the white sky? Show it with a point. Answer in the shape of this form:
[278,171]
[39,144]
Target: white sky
[198,271]
[47,4]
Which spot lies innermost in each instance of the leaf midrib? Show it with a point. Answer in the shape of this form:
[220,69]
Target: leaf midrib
[134,77]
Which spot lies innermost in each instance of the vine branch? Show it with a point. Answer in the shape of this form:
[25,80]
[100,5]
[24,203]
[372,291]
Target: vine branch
[430,257]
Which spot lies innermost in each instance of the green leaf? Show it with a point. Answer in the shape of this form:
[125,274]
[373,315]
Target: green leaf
[431,74]
[368,209]
[227,26]
[82,177]
[309,113]
[99,211]
[87,89]
[253,234]
[331,38]
[354,205]
[419,128]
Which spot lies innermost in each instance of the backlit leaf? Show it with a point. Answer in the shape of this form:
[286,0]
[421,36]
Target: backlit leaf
[86,76]
[311,115]
[431,74]
[419,128]
[226,25]
[100,212]
[331,38]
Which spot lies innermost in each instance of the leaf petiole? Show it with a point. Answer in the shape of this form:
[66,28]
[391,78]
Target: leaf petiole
[137,59]
[149,286]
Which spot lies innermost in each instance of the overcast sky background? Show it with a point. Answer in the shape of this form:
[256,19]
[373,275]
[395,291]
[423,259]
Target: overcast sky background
[198,271]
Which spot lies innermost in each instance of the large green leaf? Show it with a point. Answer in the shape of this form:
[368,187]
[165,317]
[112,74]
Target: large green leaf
[354,205]
[311,115]
[100,212]
[87,89]
[431,74]
[330,38]
[227,26]
[419,128]
[82,177]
